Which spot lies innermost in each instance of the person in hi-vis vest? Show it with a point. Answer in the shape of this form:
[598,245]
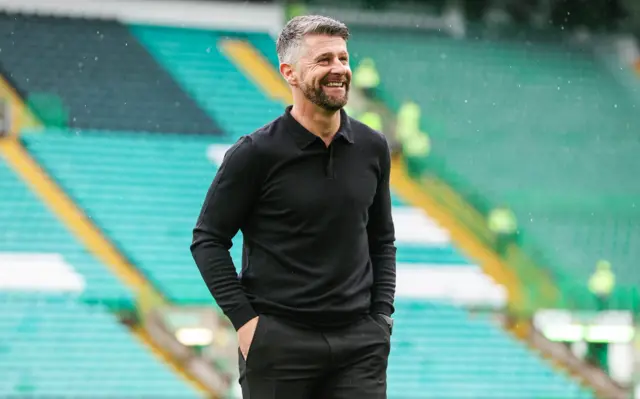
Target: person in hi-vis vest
[415,143]
[366,78]
[601,285]
[503,223]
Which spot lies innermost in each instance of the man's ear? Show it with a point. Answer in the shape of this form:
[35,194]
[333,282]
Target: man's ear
[287,72]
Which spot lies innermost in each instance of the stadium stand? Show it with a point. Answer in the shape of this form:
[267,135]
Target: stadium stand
[44,345]
[29,228]
[152,212]
[442,352]
[568,168]
[56,304]
[105,80]
[227,95]
[144,191]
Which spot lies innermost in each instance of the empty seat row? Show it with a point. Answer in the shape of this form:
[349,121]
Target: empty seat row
[85,73]
[52,345]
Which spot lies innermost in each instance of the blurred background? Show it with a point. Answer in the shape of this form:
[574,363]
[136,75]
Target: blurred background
[515,131]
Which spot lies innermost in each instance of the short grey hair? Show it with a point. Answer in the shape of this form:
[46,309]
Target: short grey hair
[290,39]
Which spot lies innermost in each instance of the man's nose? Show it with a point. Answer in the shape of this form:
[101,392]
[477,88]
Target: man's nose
[337,67]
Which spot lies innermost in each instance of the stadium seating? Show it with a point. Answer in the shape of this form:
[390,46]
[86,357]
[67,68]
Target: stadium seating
[29,228]
[195,61]
[145,192]
[57,334]
[441,351]
[55,346]
[93,74]
[541,126]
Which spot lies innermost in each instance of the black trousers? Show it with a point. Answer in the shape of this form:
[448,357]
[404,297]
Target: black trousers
[289,362]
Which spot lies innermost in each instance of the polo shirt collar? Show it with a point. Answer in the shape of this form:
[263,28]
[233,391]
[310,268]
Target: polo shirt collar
[303,137]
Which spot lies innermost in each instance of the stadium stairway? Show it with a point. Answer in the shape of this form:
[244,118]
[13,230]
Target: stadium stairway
[20,115]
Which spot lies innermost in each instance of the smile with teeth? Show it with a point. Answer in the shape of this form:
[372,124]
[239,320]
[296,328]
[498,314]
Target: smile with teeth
[334,84]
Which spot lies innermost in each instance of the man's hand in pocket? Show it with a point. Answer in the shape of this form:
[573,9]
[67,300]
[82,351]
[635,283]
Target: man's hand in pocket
[245,336]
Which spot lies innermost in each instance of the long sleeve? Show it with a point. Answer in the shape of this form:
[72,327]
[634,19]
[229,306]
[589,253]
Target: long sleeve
[381,235]
[228,203]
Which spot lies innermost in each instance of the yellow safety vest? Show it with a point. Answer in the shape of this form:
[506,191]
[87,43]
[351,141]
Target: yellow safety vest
[373,120]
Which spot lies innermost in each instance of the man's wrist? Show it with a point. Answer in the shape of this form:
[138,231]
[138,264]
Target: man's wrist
[388,320]
[382,308]
[240,316]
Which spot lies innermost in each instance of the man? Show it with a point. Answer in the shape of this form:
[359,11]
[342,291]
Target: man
[310,193]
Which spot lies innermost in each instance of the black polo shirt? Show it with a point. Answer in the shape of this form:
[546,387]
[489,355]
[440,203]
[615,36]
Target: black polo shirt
[316,221]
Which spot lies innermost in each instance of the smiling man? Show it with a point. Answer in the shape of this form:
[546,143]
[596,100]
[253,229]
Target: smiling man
[310,193]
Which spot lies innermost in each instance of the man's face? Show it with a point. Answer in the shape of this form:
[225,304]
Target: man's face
[323,72]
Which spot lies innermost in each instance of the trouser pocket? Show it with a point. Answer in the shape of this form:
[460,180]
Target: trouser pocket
[382,325]
[258,337]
